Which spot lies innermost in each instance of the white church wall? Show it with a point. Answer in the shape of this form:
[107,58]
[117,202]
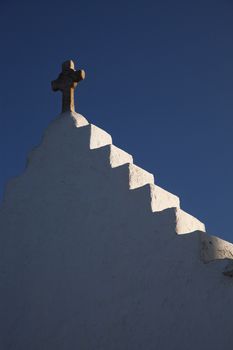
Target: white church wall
[93,255]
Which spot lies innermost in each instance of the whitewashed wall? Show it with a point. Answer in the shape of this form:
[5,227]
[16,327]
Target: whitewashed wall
[94,256]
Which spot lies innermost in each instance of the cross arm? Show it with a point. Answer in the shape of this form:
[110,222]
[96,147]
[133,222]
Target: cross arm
[79,75]
[55,85]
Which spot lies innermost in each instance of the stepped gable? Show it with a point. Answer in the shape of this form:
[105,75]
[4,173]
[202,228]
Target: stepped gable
[95,255]
[211,247]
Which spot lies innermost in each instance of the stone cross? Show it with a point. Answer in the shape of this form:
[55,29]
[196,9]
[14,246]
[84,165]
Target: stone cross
[66,83]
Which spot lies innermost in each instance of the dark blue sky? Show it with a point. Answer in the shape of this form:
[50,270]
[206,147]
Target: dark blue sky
[159,79]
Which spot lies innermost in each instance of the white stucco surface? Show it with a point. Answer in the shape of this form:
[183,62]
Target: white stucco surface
[95,256]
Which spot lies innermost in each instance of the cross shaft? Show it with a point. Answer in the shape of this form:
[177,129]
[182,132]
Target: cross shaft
[66,83]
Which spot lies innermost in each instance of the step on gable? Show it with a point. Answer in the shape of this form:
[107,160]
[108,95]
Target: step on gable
[98,137]
[139,177]
[162,199]
[186,223]
[214,248]
[118,157]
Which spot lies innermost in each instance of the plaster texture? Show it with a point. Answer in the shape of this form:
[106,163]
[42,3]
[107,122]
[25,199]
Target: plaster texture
[94,255]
